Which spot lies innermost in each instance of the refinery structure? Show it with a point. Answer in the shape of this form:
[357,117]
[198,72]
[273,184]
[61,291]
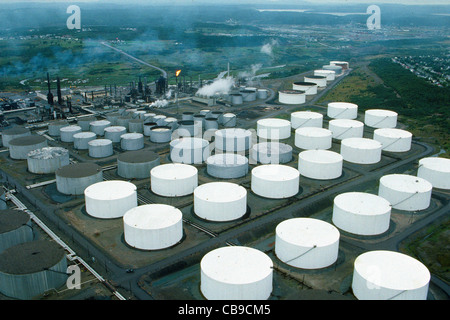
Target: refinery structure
[221,190]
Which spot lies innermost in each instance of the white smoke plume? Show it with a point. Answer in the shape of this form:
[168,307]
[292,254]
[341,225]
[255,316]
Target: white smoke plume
[169,94]
[219,86]
[159,103]
[250,74]
[268,47]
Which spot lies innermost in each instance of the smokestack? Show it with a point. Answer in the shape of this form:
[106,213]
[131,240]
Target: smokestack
[58,90]
[49,94]
[140,85]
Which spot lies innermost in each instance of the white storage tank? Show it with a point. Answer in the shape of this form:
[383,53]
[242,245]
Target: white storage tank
[306,119]
[132,141]
[313,138]
[262,94]
[74,178]
[320,164]
[361,150]
[160,134]
[85,122]
[379,118]
[343,64]
[98,127]
[275,181]
[307,243]
[319,80]
[47,160]
[436,171]
[236,273]
[110,199]
[187,116]
[100,148]
[345,128]
[291,97]
[229,120]
[236,99]
[148,127]
[393,140]
[67,133]
[310,88]
[361,213]
[271,153]
[329,74]
[273,129]
[211,123]
[153,226]
[389,275]
[189,150]
[55,126]
[136,164]
[336,68]
[136,126]
[114,133]
[172,123]
[220,201]
[405,192]
[248,95]
[233,140]
[342,110]
[173,179]
[227,165]
[81,140]
[15,132]
[20,147]
[160,119]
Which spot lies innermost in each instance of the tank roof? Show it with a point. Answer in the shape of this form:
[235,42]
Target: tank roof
[78,170]
[27,140]
[12,219]
[139,156]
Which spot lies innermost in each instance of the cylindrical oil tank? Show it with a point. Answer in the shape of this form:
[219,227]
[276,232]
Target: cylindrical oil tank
[47,160]
[98,127]
[147,128]
[110,199]
[218,115]
[248,95]
[160,134]
[137,164]
[313,138]
[132,141]
[136,126]
[310,88]
[273,129]
[291,97]
[129,112]
[200,120]
[329,74]
[220,201]
[237,99]
[271,153]
[378,118]
[306,119]
[205,112]
[319,80]
[189,150]
[187,128]
[275,181]
[320,164]
[343,64]
[361,213]
[81,140]
[114,133]
[436,171]
[361,150]
[55,126]
[160,119]
[172,123]
[342,110]
[3,203]
[262,94]
[227,166]
[211,123]
[15,228]
[74,178]
[100,148]
[148,117]
[174,179]
[389,275]
[229,120]
[187,115]
[20,147]
[236,273]
[233,140]
[153,226]
[123,121]
[85,123]
[337,69]
[307,243]
[112,117]
[67,133]
[139,114]
[405,192]
[30,269]
[393,140]
[15,132]
[345,128]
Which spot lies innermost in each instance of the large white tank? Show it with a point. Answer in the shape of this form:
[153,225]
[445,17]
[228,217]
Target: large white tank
[227,165]
[189,150]
[329,74]
[342,110]
[320,164]
[436,171]
[313,138]
[66,133]
[98,127]
[275,181]
[310,88]
[85,122]
[229,120]
[307,243]
[47,160]
[81,140]
[236,99]
[160,119]
[15,132]
[271,153]
[361,150]
[301,119]
[148,126]
[110,199]
[379,118]
[114,133]
[137,164]
[273,129]
[174,179]
[132,141]
[291,97]
[393,140]
[405,192]
[361,213]
[74,178]
[233,140]
[236,273]
[55,126]
[337,69]
[345,128]
[100,148]
[262,93]
[20,147]
[319,80]
[220,201]
[153,226]
[160,134]
[343,64]
[389,275]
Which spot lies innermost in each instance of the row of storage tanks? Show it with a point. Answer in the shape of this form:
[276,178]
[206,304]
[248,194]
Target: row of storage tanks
[247,94]
[312,83]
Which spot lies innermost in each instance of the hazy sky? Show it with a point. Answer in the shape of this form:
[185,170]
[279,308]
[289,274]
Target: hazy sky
[298,2]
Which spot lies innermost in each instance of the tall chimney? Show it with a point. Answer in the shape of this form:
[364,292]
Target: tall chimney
[58,88]
[49,94]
